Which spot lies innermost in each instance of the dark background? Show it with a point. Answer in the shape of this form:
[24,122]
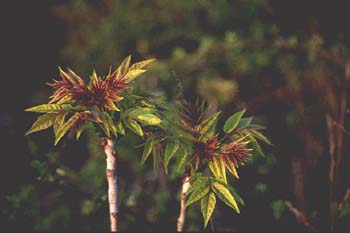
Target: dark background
[291,93]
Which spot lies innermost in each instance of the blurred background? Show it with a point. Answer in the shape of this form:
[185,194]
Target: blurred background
[286,61]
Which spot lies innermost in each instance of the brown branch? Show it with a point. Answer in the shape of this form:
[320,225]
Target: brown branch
[300,216]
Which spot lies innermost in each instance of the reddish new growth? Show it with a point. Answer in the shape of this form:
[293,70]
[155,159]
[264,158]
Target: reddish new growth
[192,115]
[236,152]
[102,92]
[204,152]
[80,120]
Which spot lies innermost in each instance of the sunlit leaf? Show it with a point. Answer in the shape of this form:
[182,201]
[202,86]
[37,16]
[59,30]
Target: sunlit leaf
[182,157]
[131,75]
[149,119]
[198,193]
[65,127]
[120,128]
[124,66]
[208,127]
[43,122]
[207,207]
[232,122]
[224,194]
[134,126]
[59,120]
[49,108]
[141,64]
[231,168]
[217,167]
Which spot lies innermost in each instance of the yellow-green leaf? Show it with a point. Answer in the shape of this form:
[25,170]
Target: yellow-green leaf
[134,126]
[170,150]
[124,66]
[43,122]
[120,128]
[109,122]
[59,120]
[198,193]
[217,167]
[147,151]
[149,119]
[231,168]
[132,74]
[224,194]
[141,64]
[208,127]
[49,108]
[207,207]
[232,122]
[65,127]
[182,158]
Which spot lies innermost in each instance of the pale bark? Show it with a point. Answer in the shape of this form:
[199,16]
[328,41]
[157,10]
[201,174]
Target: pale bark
[108,145]
[181,219]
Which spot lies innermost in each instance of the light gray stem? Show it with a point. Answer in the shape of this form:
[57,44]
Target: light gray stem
[108,145]
[181,219]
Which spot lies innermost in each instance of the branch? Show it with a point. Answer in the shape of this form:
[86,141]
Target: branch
[185,186]
[301,218]
[111,174]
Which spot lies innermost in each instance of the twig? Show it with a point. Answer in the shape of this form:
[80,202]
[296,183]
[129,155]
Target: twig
[301,218]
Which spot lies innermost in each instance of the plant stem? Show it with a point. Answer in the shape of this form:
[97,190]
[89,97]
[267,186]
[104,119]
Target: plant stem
[108,145]
[185,186]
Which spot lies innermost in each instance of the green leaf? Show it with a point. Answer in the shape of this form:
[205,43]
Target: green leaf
[260,136]
[49,108]
[148,119]
[65,127]
[141,64]
[207,207]
[134,112]
[124,66]
[198,193]
[255,145]
[120,128]
[147,151]
[244,122]
[224,194]
[43,122]
[217,167]
[182,156]
[197,180]
[110,123]
[170,150]
[208,127]
[131,75]
[134,126]
[232,122]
